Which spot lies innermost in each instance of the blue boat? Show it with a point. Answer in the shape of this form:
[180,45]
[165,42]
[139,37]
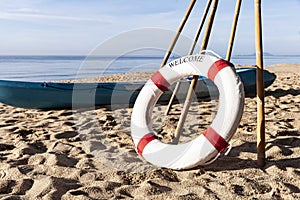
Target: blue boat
[54,95]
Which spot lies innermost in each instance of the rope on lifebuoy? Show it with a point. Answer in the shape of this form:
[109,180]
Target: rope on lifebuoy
[215,139]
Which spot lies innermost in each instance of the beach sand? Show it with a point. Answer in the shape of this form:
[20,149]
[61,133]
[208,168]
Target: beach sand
[65,154]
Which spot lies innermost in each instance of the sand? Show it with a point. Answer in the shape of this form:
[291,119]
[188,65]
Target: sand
[65,154]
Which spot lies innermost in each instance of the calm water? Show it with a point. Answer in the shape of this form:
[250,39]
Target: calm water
[46,68]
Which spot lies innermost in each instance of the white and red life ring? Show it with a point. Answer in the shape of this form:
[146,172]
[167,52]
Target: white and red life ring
[215,139]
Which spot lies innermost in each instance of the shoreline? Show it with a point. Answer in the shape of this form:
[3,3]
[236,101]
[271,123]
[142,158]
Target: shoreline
[144,76]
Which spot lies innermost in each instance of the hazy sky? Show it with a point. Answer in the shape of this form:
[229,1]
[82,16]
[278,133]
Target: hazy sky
[66,27]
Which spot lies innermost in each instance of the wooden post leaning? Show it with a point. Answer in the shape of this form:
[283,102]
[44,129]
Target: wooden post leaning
[259,86]
[180,28]
[195,78]
[233,29]
[190,53]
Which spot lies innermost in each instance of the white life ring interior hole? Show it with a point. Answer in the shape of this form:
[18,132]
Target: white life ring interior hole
[200,115]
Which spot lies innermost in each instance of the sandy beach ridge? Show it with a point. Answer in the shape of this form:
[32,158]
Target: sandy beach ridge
[66,154]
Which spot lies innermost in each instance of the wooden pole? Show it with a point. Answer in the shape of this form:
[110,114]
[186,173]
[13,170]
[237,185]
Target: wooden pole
[260,86]
[209,25]
[204,16]
[195,78]
[180,28]
[233,29]
[190,53]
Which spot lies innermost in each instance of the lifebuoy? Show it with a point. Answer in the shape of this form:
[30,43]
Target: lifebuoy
[215,139]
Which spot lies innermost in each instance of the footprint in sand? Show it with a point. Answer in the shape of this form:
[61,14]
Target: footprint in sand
[6,147]
[6,186]
[66,135]
[50,187]
[22,186]
[60,160]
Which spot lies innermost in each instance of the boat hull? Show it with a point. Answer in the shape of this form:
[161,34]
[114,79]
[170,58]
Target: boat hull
[42,95]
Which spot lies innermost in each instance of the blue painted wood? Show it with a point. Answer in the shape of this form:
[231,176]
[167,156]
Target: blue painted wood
[49,95]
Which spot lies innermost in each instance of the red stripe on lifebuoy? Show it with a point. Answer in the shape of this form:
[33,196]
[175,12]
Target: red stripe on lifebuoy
[160,81]
[143,142]
[216,67]
[215,139]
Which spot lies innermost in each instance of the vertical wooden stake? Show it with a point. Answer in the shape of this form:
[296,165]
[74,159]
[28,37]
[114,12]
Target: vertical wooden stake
[261,155]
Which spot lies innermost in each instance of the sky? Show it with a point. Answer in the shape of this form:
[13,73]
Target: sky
[77,27]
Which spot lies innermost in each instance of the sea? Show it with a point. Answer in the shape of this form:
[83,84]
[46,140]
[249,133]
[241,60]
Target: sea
[52,68]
